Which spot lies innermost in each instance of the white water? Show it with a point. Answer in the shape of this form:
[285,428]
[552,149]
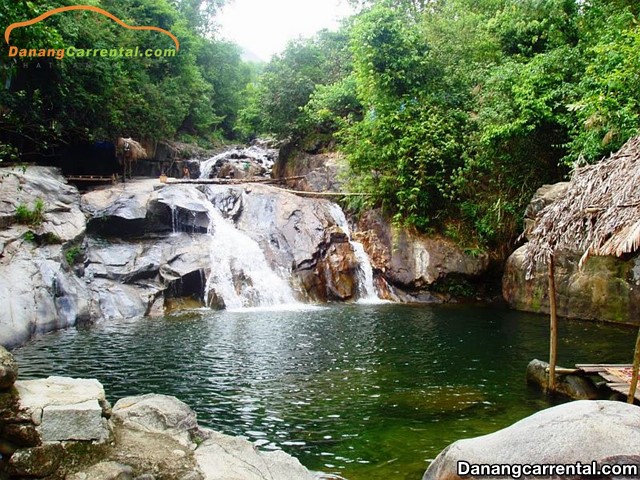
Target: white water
[257,154]
[240,274]
[366,287]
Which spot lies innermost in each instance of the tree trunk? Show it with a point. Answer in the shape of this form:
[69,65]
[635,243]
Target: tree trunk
[553,337]
[634,376]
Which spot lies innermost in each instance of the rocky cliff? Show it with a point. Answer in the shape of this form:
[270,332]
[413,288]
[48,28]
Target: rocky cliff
[605,288]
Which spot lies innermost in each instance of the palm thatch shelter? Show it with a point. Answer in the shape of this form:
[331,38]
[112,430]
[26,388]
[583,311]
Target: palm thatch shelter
[129,151]
[598,216]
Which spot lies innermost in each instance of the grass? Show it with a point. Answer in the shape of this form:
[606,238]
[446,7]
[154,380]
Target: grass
[27,216]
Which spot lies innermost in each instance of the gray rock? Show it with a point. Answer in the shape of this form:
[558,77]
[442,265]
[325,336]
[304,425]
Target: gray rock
[8,369]
[64,408]
[544,196]
[156,414]
[231,458]
[48,295]
[582,431]
[303,237]
[80,421]
[36,462]
[105,471]
[411,262]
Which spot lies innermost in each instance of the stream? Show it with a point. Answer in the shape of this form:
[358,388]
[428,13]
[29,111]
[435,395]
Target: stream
[364,391]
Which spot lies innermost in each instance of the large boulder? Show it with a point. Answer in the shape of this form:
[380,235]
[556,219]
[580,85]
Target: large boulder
[160,434]
[414,263]
[582,431]
[64,409]
[39,289]
[222,457]
[157,414]
[605,288]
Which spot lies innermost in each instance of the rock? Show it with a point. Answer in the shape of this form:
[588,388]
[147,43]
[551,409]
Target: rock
[22,435]
[8,369]
[320,172]
[305,238]
[156,414]
[48,296]
[80,421]
[544,196]
[240,162]
[64,408]
[36,462]
[231,458]
[411,262]
[105,471]
[605,289]
[571,386]
[582,431]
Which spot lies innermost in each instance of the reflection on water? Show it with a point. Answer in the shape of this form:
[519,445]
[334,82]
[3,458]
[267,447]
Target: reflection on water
[366,391]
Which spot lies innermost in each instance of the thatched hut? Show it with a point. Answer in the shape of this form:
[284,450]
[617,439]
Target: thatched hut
[599,215]
[128,152]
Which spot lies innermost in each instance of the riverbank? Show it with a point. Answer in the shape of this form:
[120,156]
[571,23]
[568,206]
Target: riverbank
[64,428]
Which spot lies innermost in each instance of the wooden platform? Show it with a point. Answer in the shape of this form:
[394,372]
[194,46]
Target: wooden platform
[92,178]
[618,376]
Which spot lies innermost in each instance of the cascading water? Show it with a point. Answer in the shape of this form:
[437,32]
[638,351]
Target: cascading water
[240,274]
[365,270]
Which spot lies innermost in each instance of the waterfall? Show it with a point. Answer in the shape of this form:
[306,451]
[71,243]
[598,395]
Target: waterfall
[240,274]
[366,287]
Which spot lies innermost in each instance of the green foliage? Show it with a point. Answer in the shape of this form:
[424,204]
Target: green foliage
[30,216]
[73,254]
[29,236]
[275,102]
[48,103]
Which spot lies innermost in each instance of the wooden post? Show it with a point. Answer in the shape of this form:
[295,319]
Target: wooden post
[553,337]
[636,368]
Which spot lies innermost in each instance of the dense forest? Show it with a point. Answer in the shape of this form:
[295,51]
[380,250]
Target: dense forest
[450,113]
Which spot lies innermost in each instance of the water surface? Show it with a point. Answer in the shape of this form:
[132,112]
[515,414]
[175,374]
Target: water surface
[369,392]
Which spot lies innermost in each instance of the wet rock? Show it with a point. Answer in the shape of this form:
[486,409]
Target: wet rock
[411,262]
[300,236]
[8,369]
[105,471]
[38,462]
[582,431]
[222,457]
[571,386]
[239,162]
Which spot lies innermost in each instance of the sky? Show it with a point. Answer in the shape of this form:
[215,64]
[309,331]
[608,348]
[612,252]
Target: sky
[263,27]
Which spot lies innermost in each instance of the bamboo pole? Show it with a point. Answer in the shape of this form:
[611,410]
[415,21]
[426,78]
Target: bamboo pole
[636,368]
[553,337]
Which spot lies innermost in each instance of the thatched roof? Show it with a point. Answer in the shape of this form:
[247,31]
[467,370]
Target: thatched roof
[136,151]
[599,214]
